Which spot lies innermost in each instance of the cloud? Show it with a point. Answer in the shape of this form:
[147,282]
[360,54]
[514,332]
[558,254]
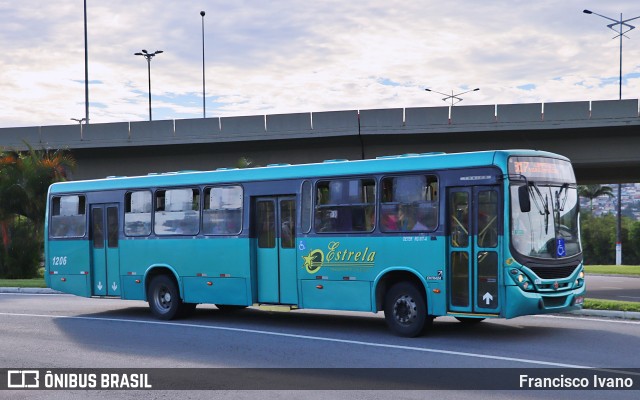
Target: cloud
[293,56]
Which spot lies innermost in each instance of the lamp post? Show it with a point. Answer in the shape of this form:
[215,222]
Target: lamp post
[148,56]
[80,121]
[454,97]
[86,69]
[620,27]
[204,107]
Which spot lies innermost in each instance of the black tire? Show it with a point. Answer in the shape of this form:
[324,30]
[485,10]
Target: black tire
[405,310]
[229,308]
[164,298]
[469,320]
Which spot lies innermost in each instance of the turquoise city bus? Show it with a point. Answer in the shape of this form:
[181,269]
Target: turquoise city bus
[469,235]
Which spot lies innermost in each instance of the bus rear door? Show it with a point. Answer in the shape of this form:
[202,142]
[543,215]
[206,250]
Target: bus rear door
[105,251]
[275,227]
[474,221]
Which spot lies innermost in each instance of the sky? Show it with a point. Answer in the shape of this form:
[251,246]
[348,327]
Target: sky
[288,56]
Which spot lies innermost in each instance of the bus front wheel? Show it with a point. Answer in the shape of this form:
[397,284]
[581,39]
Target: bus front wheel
[164,298]
[405,310]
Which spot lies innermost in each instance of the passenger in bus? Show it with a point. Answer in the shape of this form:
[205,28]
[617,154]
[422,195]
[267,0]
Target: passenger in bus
[390,221]
[408,220]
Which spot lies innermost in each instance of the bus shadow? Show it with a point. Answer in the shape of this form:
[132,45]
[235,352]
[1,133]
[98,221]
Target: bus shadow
[211,337]
[320,323]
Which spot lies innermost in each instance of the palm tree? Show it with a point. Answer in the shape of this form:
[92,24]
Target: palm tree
[10,193]
[593,191]
[39,169]
[25,178]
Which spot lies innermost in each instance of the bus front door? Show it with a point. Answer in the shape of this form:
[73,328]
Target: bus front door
[275,227]
[105,254]
[474,241]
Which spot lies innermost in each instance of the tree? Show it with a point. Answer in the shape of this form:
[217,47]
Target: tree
[25,178]
[594,191]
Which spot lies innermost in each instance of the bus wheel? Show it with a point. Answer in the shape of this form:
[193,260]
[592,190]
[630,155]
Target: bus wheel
[164,298]
[405,310]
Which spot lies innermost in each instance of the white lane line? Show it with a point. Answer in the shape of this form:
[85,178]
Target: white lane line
[608,321]
[307,337]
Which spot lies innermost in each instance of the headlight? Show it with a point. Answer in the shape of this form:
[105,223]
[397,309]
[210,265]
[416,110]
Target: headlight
[581,275]
[520,278]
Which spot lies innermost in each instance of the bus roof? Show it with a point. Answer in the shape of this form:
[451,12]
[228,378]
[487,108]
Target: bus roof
[387,164]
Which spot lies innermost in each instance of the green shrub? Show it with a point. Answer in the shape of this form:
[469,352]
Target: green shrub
[21,258]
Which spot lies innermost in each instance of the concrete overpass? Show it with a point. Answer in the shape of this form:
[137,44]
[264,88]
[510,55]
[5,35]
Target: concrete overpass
[602,138]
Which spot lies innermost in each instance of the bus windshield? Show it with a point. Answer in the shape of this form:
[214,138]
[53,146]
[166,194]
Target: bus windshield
[550,229]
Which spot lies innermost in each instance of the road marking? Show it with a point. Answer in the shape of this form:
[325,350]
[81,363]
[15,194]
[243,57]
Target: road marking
[629,297]
[308,337]
[608,321]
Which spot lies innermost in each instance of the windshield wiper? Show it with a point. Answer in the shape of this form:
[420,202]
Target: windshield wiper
[565,187]
[542,204]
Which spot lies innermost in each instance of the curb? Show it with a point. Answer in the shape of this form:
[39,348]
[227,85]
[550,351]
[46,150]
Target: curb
[631,315]
[628,315]
[28,290]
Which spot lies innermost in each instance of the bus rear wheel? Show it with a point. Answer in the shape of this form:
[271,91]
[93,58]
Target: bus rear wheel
[405,310]
[164,298]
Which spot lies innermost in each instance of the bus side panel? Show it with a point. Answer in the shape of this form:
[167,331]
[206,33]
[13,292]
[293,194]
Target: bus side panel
[206,258]
[227,291]
[68,265]
[132,287]
[346,267]
[336,295]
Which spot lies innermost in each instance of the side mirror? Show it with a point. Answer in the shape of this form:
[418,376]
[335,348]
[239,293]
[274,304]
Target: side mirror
[524,199]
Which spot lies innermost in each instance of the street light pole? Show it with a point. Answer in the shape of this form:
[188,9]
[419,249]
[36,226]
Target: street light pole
[454,97]
[204,107]
[86,68]
[619,25]
[80,121]
[148,56]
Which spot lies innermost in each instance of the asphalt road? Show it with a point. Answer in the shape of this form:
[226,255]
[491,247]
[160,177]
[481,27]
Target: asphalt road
[63,331]
[611,287]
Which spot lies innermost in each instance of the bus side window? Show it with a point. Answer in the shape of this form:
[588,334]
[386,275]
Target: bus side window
[177,212]
[307,207]
[68,216]
[137,214]
[345,205]
[409,203]
[222,213]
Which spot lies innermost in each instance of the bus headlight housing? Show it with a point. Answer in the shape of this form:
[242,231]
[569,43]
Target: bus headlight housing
[580,280]
[522,280]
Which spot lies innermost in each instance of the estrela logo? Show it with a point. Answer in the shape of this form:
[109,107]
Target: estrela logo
[337,257]
[313,261]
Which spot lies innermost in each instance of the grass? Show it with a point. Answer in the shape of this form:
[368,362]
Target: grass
[611,305]
[23,283]
[613,269]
